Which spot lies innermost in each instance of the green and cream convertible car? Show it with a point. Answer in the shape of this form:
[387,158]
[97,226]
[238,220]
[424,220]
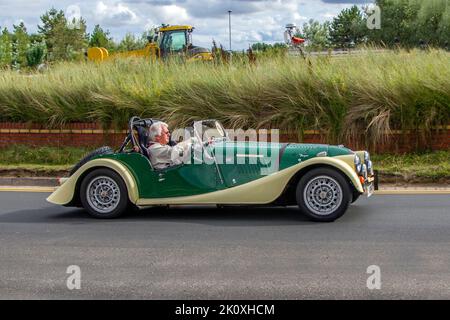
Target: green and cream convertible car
[321,179]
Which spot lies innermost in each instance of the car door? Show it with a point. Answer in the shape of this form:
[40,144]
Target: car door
[185,180]
[175,181]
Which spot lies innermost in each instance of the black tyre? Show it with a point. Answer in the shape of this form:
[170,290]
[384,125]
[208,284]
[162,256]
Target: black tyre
[323,194]
[356,195]
[103,194]
[89,156]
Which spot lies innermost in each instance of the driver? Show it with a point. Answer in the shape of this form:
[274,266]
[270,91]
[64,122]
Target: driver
[161,154]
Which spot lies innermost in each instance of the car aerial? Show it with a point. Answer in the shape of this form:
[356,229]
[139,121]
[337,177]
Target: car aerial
[321,179]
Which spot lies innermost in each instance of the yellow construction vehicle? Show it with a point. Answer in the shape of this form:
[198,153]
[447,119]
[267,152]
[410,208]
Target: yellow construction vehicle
[166,41]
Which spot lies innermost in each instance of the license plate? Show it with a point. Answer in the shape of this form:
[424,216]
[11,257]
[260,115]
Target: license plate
[369,189]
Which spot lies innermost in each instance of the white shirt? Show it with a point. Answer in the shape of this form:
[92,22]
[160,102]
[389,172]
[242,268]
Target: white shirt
[163,156]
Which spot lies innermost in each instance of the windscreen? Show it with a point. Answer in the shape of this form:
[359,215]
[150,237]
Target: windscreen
[209,130]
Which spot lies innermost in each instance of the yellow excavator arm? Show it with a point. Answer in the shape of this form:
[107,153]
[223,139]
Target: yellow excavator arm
[151,50]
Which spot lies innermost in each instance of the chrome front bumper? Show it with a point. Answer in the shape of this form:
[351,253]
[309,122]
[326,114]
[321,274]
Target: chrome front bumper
[369,186]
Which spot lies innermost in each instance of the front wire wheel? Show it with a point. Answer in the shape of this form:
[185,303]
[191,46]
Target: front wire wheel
[323,194]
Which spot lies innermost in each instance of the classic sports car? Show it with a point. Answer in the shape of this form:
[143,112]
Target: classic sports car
[321,179]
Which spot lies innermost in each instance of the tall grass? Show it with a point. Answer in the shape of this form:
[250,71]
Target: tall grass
[346,98]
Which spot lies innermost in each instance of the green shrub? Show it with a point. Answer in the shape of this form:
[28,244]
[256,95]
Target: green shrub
[354,97]
[35,55]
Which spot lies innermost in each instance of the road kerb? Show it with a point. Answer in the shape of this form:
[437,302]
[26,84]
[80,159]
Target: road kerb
[26,189]
[411,192]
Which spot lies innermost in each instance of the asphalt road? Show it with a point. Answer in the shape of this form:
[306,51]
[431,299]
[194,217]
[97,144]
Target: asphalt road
[238,253]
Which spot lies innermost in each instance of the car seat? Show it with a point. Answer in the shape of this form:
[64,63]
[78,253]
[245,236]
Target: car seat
[143,140]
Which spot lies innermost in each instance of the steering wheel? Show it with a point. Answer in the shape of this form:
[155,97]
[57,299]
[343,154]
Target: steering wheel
[209,142]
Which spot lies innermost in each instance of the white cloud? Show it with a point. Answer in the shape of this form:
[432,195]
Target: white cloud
[172,14]
[115,14]
[329,15]
[150,24]
[298,17]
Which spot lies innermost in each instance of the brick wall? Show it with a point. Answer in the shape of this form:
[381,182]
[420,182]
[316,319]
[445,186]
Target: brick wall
[92,135]
[73,134]
[396,142]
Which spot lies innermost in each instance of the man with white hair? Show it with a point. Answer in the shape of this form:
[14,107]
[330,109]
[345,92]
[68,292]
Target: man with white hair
[161,154]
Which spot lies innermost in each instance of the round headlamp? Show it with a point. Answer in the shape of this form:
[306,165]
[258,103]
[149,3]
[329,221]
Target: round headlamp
[358,164]
[364,171]
[370,168]
[366,157]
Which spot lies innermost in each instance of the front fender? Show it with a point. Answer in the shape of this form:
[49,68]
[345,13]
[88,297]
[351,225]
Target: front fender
[65,193]
[345,164]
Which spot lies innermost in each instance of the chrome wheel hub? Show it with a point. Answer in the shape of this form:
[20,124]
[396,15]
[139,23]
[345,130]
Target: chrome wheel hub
[103,194]
[322,195]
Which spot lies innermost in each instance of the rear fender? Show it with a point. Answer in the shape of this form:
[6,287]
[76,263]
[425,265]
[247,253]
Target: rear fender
[65,193]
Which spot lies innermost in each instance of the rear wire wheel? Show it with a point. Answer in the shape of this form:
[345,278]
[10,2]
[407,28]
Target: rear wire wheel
[104,194]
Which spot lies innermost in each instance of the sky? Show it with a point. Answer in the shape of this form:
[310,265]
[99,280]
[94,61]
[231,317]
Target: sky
[251,20]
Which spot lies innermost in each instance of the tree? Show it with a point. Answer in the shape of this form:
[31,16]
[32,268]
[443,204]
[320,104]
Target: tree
[261,46]
[279,45]
[100,38]
[406,22]
[21,43]
[63,41]
[430,20]
[50,22]
[348,28]
[317,34]
[5,49]
[75,40]
[129,42]
[444,29]
[36,38]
